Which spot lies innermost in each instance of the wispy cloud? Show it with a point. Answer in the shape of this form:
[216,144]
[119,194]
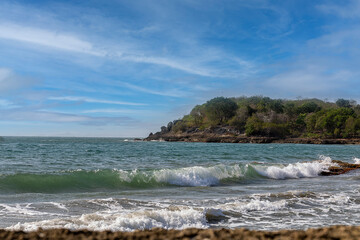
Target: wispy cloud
[47,38]
[58,117]
[169,62]
[6,104]
[120,111]
[343,9]
[169,93]
[110,110]
[94,100]
[308,80]
[139,52]
[10,81]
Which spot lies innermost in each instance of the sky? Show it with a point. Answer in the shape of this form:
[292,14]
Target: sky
[120,68]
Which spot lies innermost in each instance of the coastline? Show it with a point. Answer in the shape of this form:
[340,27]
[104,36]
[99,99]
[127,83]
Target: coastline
[227,138]
[332,232]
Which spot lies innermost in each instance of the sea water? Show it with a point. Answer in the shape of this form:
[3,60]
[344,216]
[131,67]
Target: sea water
[124,185]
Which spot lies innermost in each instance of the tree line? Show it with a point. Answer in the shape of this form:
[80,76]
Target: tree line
[263,116]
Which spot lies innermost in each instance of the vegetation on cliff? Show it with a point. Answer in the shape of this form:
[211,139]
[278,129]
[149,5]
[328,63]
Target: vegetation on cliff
[266,117]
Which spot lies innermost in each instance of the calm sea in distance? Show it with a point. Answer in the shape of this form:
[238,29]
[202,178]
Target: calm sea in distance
[124,185]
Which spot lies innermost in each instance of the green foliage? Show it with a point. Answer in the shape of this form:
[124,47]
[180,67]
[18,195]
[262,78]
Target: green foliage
[254,126]
[343,103]
[220,109]
[335,120]
[275,130]
[308,107]
[277,106]
[179,126]
[263,116]
[198,114]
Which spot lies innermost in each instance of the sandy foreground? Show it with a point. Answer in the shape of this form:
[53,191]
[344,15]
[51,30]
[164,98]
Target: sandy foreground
[334,232]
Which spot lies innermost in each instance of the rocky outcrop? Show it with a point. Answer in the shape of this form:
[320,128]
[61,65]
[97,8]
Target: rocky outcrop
[231,135]
[340,168]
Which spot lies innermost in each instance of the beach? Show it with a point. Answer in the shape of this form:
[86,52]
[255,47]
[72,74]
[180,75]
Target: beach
[335,232]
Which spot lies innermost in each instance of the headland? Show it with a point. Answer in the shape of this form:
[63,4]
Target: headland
[265,120]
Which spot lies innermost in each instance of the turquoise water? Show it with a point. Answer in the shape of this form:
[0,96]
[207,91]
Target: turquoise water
[121,184]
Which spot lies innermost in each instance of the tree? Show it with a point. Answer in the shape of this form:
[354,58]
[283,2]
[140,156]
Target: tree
[343,103]
[334,120]
[308,107]
[277,106]
[350,127]
[218,110]
[254,126]
[198,114]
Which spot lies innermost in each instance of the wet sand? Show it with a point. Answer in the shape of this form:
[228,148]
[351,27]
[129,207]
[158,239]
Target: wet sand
[333,232]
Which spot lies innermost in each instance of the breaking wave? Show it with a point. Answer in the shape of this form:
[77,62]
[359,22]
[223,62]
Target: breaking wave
[105,180]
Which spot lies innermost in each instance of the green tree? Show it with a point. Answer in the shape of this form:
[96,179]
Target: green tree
[277,106]
[308,107]
[334,120]
[289,109]
[254,126]
[350,127]
[343,103]
[198,114]
[219,110]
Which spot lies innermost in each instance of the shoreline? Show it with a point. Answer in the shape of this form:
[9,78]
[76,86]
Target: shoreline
[216,138]
[331,232]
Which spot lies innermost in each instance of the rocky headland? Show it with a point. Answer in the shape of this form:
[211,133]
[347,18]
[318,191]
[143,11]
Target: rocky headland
[230,135]
[263,120]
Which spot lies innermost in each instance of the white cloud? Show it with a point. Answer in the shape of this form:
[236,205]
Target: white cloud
[351,10]
[168,62]
[120,111]
[21,115]
[6,104]
[346,39]
[10,81]
[94,100]
[169,93]
[309,81]
[59,117]
[110,110]
[47,38]
[132,50]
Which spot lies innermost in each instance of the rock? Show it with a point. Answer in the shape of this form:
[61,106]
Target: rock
[341,168]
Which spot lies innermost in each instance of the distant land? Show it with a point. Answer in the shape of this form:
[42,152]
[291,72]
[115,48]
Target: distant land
[261,119]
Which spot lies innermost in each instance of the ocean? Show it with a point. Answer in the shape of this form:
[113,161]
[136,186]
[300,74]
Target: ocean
[123,185]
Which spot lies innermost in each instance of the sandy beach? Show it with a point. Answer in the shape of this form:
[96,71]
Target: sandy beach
[333,232]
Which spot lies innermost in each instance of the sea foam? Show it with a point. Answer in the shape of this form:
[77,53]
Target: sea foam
[356,160]
[198,176]
[296,170]
[124,221]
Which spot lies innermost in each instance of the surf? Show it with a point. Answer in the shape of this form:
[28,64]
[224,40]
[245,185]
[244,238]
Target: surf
[195,176]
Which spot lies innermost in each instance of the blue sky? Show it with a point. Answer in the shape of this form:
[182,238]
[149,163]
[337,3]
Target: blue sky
[124,68]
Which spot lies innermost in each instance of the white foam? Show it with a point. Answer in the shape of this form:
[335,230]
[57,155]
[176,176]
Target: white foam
[254,205]
[198,176]
[190,176]
[296,170]
[59,205]
[337,199]
[19,209]
[356,160]
[124,221]
[108,203]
